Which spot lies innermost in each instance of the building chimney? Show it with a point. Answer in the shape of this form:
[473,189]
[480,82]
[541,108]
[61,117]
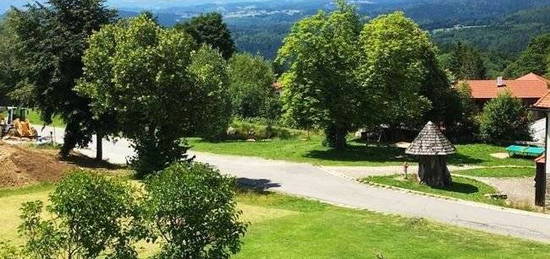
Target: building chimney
[500,82]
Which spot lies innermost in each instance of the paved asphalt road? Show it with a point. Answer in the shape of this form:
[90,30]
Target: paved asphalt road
[314,182]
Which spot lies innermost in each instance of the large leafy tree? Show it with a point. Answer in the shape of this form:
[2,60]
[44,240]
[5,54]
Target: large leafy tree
[160,85]
[465,62]
[9,76]
[251,88]
[319,86]
[52,39]
[535,59]
[396,57]
[210,28]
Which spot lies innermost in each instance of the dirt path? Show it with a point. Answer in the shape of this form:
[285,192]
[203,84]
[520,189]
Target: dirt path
[358,172]
[520,190]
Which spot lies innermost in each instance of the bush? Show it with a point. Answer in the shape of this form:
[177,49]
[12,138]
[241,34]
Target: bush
[92,216]
[504,119]
[192,208]
[258,130]
[8,251]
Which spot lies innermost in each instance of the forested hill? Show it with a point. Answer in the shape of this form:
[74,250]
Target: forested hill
[505,26]
[508,34]
[258,26]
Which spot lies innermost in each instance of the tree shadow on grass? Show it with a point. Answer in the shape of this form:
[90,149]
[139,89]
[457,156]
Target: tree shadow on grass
[464,188]
[260,186]
[362,154]
[90,163]
[461,159]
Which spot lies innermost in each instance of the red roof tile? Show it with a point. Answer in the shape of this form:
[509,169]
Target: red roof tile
[488,89]
[544,102]
[533,76]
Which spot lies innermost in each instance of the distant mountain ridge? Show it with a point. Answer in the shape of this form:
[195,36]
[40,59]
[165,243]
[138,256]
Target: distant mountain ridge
[259,26]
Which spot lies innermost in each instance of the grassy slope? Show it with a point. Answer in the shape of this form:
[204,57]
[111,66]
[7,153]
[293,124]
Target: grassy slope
[287,227]
[34,118]
[357,154]
[500,172]
[462,188]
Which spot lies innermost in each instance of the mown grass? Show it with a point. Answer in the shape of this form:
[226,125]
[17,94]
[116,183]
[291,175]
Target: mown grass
[461,188]
[324,231]
[287,227]
[500,172]
[356,154]
[34,118]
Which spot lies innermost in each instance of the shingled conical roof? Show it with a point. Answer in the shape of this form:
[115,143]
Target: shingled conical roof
[430,141]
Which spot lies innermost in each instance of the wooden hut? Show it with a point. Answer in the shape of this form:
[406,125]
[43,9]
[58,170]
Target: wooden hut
[432,147]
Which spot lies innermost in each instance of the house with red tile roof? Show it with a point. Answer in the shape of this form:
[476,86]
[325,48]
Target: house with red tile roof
[529,88]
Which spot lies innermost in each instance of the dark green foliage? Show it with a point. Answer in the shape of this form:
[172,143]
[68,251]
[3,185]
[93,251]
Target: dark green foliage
[535,59]
[252,91]
[193,210]
[9,76]
[465,63]
[93,216]
[504,119]
[464,126]
[507,33]
[159,85]
[52,39]
[210,29]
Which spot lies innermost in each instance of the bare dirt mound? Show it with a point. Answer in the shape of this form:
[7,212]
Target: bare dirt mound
[22,165]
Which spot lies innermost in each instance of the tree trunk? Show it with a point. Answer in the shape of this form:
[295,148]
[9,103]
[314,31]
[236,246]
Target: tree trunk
[433,171]
[99,147]
[336,137]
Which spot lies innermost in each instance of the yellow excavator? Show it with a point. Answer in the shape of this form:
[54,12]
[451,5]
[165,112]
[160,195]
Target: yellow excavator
[15,123]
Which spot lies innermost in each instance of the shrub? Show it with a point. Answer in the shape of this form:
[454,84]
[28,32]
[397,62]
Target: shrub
[92,216]
[192,208]
[504,119]
[259,129]
[8,251]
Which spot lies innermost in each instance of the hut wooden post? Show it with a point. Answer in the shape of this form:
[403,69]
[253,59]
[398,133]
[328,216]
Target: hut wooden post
[432,147]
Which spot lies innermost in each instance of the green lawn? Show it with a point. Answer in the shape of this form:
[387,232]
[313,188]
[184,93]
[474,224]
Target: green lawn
[288,227]
[462,188]
[357,154]
[500,172]
[34,118]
